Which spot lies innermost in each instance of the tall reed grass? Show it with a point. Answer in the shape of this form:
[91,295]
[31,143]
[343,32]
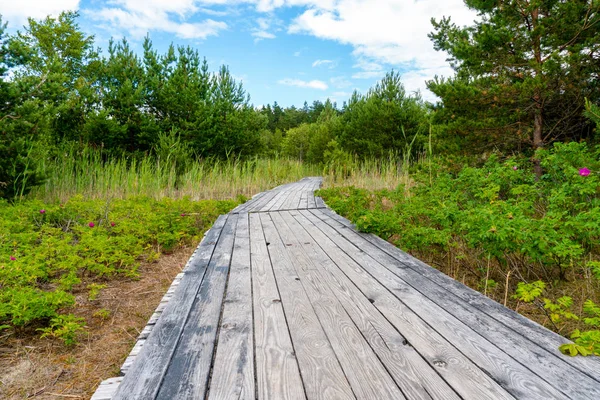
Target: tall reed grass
[84,172]
[379,173]
[373,174]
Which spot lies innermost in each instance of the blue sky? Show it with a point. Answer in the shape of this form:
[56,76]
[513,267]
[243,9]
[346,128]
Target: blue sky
[289,51]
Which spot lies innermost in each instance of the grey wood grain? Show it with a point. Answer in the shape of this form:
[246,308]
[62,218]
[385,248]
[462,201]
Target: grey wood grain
[244,207]
[145,376]
[365,373]
[281,199]
[311,203]
[292,201]
[416,378]
[281,194]
[462,374]
[233,370]
[322,375]
[257,206]
[320,203]
[277,372]
[188,373]
[482,339]
[572,372]
[303,201]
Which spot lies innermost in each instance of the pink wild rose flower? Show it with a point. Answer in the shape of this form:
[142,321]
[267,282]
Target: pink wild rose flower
[584,172]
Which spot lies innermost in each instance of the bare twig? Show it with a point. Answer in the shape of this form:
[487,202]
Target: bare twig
[71,396]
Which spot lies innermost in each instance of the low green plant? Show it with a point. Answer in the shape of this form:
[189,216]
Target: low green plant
[48,249]
[102,313]
[94,291]
[65,328]
[528,292]
[587,342]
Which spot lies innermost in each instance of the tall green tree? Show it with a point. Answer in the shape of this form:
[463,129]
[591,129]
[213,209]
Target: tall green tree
[118,124]
[232,126]
[523,70]
[18,169]
[56,76]
[383,119]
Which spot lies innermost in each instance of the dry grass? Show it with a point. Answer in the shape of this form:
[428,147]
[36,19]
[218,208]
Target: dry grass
[469,267]
[88,175]
[33,368]
[372,174]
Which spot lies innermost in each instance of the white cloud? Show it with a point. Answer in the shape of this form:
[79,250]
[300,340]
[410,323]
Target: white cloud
[367,65]
[368,75]
[314,84]
[297,53]
[388,32]
[263,35]
[270,5]
[340,82]
[16,12]
[139,17]
[342,94]
[262,30]
[329,63]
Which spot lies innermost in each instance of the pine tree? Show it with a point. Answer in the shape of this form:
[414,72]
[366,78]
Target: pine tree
[523,70]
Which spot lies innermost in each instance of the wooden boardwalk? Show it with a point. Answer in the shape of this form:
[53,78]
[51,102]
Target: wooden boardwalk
[283,299]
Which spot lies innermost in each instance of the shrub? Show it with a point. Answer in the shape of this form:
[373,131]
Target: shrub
[46,250]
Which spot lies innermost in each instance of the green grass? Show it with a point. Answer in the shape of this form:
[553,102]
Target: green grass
[85,173]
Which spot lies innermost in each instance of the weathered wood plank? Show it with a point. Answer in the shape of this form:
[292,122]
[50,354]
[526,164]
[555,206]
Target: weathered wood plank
[233,370]
[107,389]
[311,196]
[280,200]
[319,202]
[257,206]
[462,374]
[416,378]
[144,378]
[365,373]
[188,372]
[525,374]
[280,193]
[292,201]
[303,202]
[322,375]
[244,207]
[277,372]
[551,363]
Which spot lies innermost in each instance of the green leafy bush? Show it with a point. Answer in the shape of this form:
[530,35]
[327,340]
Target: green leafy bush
[46,250]
[545,226]
[497,216]
[65,328]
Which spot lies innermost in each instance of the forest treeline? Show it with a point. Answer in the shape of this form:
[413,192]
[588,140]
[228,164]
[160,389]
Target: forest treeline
[523,79]
[59,89]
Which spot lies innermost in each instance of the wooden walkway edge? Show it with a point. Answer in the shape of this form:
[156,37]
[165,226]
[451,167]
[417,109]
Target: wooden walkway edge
[284,299]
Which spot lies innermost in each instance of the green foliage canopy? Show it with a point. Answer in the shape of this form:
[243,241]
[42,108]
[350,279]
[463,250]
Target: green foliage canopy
[378,122]
[523,70]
